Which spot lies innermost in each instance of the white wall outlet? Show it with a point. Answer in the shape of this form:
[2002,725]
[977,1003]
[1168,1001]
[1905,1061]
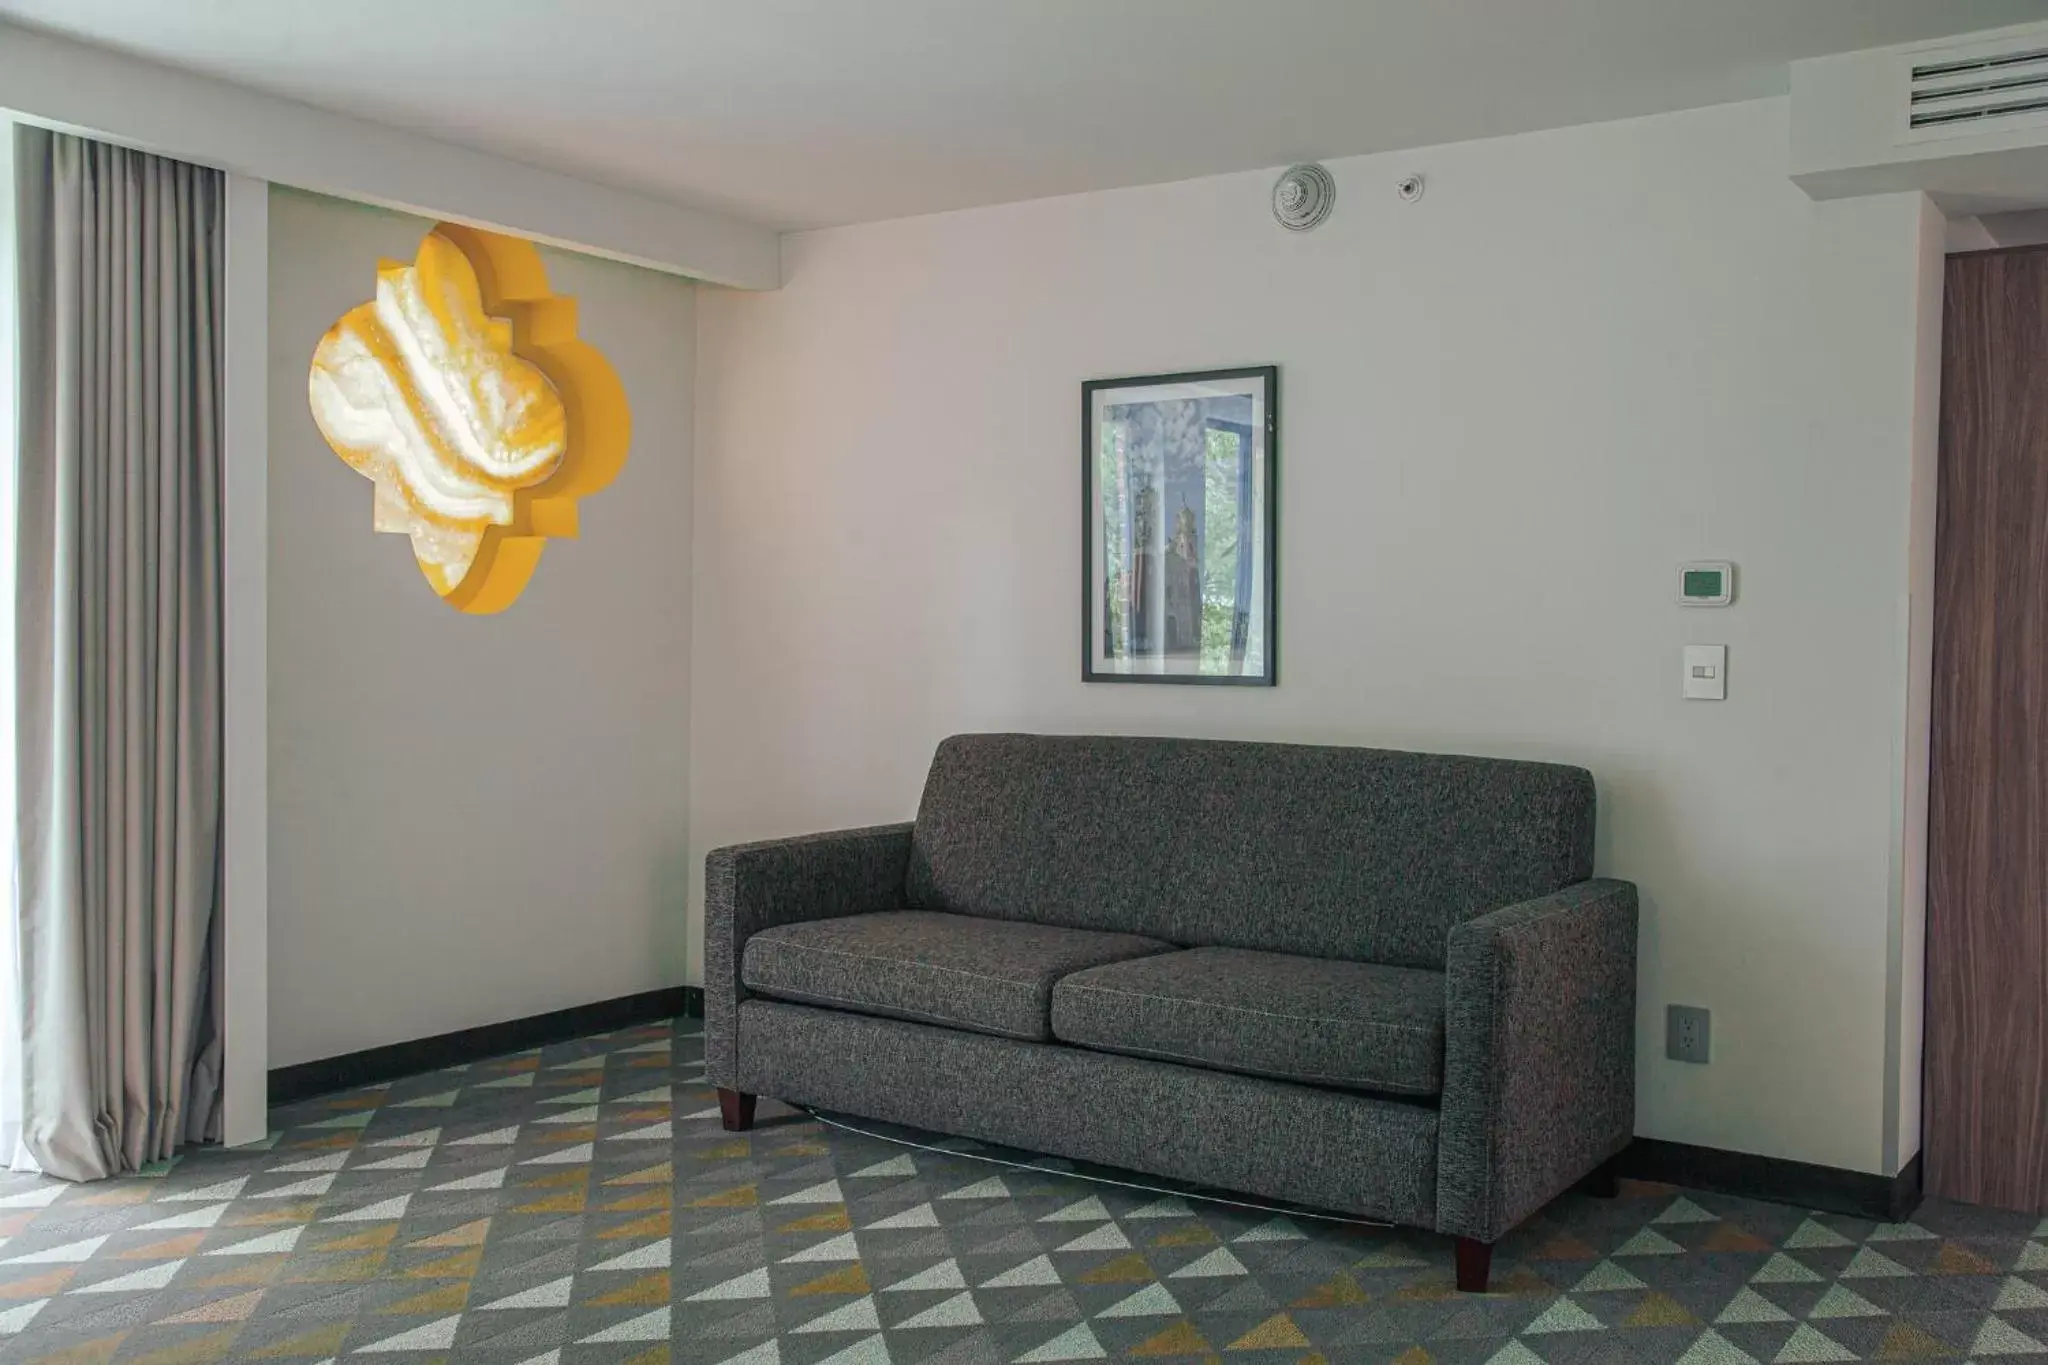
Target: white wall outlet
[1706,672]
[1688,1034]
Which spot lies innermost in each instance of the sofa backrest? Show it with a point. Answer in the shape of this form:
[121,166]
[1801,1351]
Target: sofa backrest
[1363,854]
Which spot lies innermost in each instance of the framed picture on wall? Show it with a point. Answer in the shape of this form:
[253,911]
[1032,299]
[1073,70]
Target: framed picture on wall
[1180,528]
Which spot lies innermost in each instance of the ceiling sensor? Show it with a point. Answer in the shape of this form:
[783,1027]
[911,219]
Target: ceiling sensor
[1303,196]
[1409,187]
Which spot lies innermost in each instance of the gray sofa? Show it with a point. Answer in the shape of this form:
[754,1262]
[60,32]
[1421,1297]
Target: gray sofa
[1381,983]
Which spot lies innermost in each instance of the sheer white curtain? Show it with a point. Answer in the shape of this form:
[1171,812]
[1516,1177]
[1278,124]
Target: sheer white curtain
[12,1153]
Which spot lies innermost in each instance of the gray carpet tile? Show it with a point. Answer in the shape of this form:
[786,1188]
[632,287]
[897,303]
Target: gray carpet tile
[580,1204]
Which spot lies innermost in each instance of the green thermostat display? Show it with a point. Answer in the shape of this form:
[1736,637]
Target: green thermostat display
[1707,584]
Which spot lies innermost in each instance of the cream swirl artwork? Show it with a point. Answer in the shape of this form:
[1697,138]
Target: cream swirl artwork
[461,391]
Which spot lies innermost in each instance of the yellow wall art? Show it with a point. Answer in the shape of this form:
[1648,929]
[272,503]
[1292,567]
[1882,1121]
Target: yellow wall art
[462,393]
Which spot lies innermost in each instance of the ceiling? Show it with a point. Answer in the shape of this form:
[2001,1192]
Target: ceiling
[802,113]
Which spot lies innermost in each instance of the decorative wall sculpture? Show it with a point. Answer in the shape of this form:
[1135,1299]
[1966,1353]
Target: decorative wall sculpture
[462,393]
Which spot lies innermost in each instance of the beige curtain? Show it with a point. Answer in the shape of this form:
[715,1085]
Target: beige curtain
[118,652]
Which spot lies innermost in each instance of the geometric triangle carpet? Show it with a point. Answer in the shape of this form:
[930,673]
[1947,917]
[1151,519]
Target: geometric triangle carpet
[580,1204]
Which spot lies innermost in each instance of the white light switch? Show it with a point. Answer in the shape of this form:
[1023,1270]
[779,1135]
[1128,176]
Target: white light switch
[1706,672]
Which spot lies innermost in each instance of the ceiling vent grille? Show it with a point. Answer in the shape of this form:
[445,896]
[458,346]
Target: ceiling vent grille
[1965,92]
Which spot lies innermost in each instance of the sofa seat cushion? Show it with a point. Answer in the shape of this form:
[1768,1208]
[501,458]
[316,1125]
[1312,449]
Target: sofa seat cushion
[1354,1025]
[992,976]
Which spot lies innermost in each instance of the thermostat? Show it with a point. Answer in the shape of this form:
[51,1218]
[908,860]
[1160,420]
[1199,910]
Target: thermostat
[1706,583]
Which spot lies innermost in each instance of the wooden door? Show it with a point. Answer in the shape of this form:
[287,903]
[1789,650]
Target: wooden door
[1986,1136]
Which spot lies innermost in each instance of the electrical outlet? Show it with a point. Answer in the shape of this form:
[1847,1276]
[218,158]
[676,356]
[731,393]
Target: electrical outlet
[1688,1033]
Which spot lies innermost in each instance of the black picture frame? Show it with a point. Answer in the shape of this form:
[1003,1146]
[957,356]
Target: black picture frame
[1128,634]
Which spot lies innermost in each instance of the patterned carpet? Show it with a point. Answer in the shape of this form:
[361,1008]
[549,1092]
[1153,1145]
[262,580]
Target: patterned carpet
[580,1204]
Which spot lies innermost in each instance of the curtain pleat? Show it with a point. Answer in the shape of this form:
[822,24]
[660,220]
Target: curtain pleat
[118,653]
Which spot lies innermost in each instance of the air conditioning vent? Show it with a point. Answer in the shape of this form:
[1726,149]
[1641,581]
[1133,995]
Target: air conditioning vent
[1963,119]
[1966,92]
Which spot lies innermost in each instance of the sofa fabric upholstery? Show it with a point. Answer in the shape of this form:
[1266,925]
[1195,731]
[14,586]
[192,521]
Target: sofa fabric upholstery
[751,887]
[1325,1148]
[992,976]
[1539,1061]
[1359,854]
[1376,982]
[1320,1021]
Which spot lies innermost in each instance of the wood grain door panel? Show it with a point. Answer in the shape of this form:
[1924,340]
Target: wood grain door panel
[1986,1136]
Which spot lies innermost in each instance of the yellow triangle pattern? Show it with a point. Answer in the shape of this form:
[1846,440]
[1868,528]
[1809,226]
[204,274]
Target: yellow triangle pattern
[1276,1333]
[852,1280]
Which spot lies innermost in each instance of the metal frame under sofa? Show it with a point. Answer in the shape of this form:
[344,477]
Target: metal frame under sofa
[1375,982]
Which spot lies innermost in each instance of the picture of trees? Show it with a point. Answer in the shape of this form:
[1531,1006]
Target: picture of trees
[1178,481]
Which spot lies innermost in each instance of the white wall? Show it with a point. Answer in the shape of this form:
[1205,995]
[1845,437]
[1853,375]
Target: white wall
[1507,412]
[245,656]
[471,818]
[1908,982]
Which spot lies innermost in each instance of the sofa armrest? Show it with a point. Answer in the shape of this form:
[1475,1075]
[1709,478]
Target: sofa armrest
[1539,1054]
[751,887]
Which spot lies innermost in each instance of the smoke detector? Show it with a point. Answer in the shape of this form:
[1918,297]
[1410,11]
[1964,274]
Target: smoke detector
[1303,197]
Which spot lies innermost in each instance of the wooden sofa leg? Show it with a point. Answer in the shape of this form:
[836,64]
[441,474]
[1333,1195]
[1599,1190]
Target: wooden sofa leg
[1475,1263]
[735,1110]
[1604,1183]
